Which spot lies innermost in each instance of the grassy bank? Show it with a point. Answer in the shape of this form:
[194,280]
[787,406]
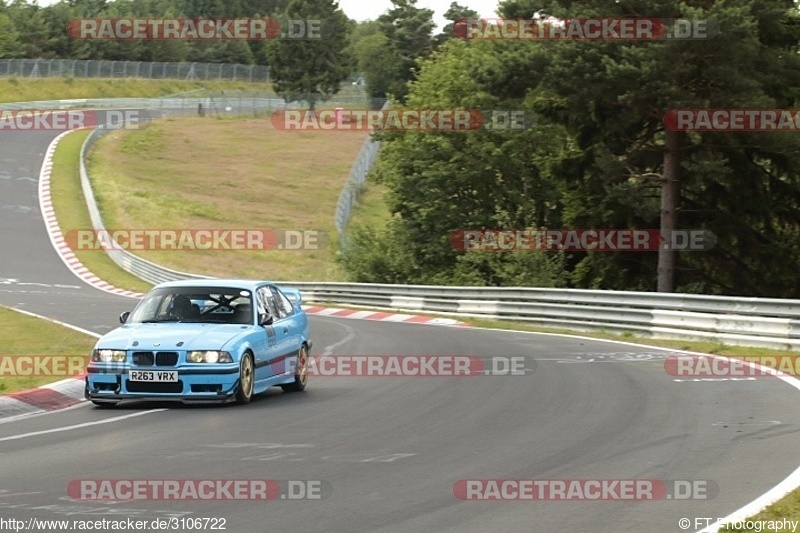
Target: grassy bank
[22,335]
[72,214]
[31,89]
[228,173]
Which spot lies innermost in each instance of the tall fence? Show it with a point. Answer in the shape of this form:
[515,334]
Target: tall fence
[76,68]
[355,182]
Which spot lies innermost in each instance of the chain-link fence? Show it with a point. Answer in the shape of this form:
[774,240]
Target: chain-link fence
[355,182]
[75,68]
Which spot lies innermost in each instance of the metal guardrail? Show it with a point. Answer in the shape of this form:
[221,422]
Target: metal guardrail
[759,322]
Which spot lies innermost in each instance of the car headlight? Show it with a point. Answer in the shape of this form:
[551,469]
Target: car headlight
[108,356]
[210,356]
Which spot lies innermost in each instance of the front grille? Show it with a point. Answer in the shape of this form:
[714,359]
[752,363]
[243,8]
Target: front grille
[143,358]
[166,358]
[158,358]
[155,388]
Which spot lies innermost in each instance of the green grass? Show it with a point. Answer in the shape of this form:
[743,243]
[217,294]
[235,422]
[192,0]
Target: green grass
[32,89]
[72,214]
[371,211]
[24,335]
[788,508]
[227,173]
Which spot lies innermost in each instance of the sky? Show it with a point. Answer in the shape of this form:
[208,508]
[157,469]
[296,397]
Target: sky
[371,9]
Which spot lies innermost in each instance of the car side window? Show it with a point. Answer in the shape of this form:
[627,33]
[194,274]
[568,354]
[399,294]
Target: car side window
[283,303]
[266,303]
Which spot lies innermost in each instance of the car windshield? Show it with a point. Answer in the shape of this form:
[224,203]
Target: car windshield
[195,304]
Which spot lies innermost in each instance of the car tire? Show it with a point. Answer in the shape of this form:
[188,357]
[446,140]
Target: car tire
[300,372]
[246,379]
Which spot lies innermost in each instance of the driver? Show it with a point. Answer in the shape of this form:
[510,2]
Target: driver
[182,308]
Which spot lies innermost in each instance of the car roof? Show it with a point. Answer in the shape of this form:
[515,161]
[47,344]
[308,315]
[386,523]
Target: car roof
[248,284]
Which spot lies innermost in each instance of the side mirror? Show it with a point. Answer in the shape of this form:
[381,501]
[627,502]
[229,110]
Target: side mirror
[124,317]
[265,319]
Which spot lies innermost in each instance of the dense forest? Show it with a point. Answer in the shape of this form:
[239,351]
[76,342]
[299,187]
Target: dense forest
[597,157]
[30,31]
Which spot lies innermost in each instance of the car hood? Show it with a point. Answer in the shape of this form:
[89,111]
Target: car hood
[172,336]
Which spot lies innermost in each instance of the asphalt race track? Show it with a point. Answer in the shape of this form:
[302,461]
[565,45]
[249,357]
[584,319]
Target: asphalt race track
[389,450]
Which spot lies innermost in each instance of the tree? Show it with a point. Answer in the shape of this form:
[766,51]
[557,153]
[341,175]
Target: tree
[742,186]
[408,30]
[601,139]
[441,182]
[311,69]
[378,62]
[453,14]
[10,45]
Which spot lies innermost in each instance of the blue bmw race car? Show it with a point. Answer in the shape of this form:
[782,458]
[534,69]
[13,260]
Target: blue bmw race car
[203,341]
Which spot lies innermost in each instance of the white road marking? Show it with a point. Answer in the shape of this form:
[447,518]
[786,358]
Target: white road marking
[14,281]
[53,321]
[351,334]
[78,426]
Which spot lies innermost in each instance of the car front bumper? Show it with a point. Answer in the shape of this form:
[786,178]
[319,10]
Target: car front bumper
[194,385]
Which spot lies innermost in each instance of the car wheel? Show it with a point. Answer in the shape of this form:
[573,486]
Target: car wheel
[300,372]
[246,379]
[105,405]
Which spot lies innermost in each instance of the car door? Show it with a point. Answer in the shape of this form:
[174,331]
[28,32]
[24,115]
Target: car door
[291,326]
[269,352]
[284,362]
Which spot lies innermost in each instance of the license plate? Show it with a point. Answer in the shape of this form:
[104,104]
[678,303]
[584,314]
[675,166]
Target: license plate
[156,376]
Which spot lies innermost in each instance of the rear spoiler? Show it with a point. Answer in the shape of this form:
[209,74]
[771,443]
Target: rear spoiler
[293,294]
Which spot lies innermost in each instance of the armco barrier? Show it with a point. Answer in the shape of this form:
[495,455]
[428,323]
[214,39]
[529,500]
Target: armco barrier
[758,322]
[767,323]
